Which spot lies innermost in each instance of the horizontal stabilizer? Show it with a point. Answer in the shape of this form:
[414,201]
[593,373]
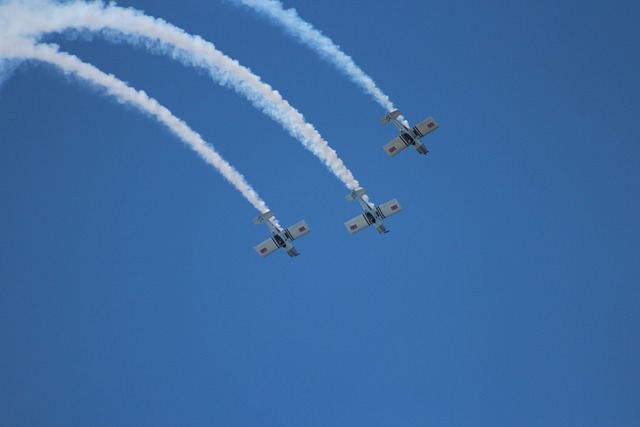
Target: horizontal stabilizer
[392,207]
[298,230]
[425,127]
[395,146]
[356,224]
[356,194]
[263,217]
[267,247]
[390,116]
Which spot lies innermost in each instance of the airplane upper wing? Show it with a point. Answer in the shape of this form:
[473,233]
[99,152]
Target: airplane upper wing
[356,224]
[425,127]
[395,146]
[267,247]
[297,230]
[390,208]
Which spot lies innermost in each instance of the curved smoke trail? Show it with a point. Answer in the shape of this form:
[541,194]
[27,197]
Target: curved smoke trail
[35,18]
[323,45]
[70,64]
[6,69]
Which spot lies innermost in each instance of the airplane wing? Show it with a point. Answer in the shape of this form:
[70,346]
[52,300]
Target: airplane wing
[297,230]
[267,247]
[425,127]
[356,224]
[392,207]
[395,146]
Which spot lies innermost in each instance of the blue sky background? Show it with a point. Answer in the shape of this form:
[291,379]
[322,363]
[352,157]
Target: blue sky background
[507,292]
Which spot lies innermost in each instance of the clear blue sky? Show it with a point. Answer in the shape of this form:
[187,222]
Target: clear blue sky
[506,294]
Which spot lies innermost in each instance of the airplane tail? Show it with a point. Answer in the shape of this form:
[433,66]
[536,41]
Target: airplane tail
[263,217]
[421,149]
[391,115]
[293,252]
[356,194]
[381,228]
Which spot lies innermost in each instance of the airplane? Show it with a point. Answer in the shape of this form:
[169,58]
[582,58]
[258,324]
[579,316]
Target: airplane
[408,136]
[373,215]
[279,238]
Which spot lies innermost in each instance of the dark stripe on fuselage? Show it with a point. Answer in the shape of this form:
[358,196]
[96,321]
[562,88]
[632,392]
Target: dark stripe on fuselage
[288,235]
[279,241]
[417,132]
[366,218]
[380,212]
[406,138]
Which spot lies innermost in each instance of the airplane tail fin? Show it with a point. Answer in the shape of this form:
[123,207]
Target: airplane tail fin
[390,116]
[263,217]
[382,229]
[356,194]
[293,252]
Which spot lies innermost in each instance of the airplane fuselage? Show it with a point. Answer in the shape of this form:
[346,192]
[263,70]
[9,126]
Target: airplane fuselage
[373,215]
[410,136]
[281,238]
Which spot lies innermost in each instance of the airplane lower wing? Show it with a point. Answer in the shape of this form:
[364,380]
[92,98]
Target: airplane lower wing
[298,230]
[267,247]
[358,223]
[392,207]
[395,146]
[425,127]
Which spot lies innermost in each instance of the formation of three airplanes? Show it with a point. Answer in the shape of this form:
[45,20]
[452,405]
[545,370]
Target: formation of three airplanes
[373,215]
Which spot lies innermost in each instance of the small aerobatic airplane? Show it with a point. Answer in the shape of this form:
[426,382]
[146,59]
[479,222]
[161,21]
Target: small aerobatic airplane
[408,136]
[373,215]
[280,238]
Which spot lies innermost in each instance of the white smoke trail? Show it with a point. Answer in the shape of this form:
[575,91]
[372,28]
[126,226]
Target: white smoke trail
[6,69]
[35,18]
[323,45]
[22,49]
